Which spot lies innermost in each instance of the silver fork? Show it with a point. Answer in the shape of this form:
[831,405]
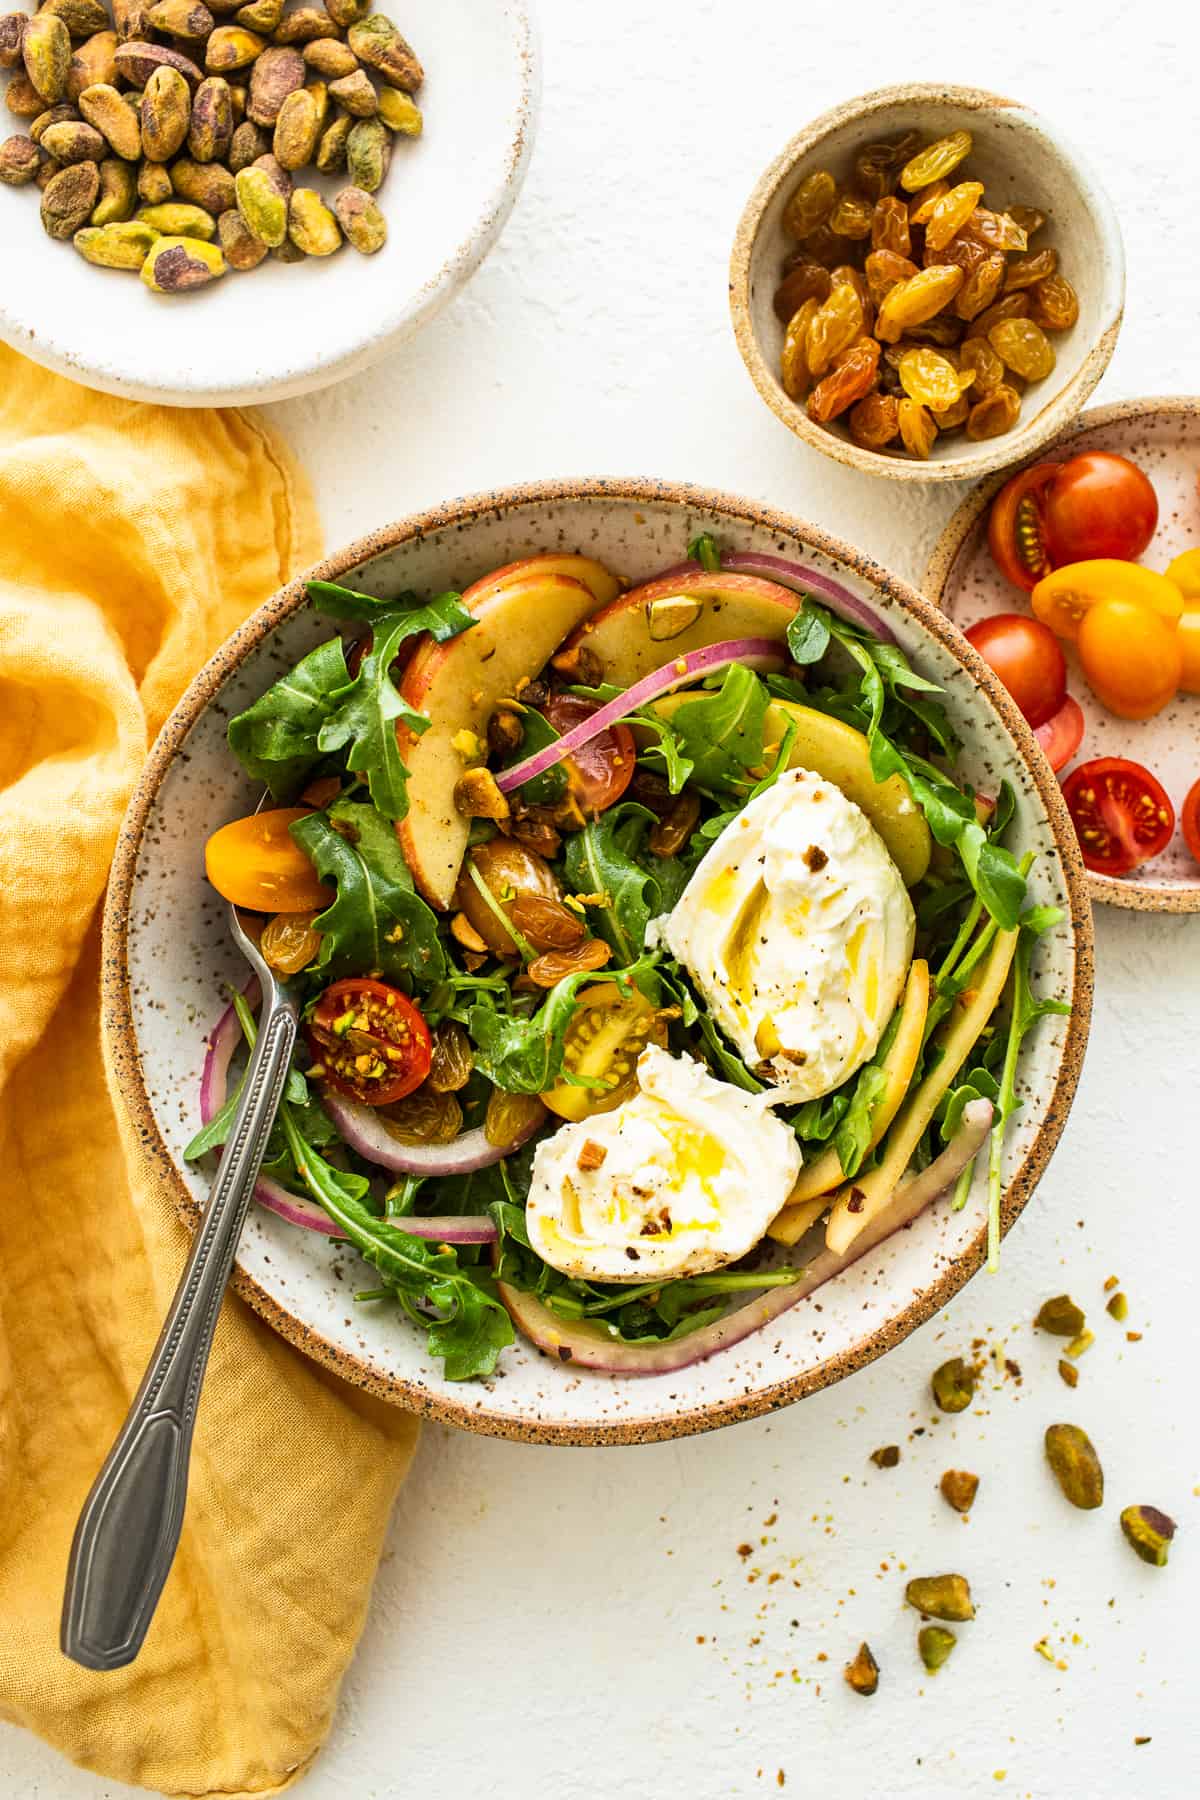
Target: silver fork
[128,1531]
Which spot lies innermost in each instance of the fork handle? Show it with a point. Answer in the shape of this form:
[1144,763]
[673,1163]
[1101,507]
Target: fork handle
[129,1528]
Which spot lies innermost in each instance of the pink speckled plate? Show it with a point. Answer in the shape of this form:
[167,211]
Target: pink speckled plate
[1163,438]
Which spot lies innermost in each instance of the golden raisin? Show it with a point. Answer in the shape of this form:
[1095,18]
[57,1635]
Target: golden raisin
[999,231]
[811,204]
[932,380]
[548,924]
[804,281]
[945,330]
[1013,306]
[509,1115]
[1028,218]
[889,226]
[1024,347]
[672,831]
[452,1058]
[875,421]
[978,354]
[912,302]
[1054,304]
[951,212]
[995,414]
[851,216]
[982,285]
[794,371]
[847,274]
[426,1117]
[546,970]
[289,943]
[952,415]
[853,377]
[1023,271]
[884,268]
[920,207]
[875,170]
[917,428]
[835,324]
[936,161]
[820,246]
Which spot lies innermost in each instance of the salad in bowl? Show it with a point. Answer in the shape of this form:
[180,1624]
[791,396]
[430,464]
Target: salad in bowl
[656,961]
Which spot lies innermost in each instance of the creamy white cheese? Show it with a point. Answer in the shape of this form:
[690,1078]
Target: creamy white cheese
[683,1177]
[798,931]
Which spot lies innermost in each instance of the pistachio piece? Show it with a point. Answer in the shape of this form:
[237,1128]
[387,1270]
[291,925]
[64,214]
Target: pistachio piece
[282,180]
[277,73]
[377,43]
[93,64]
[210,133]
[186,19]
[400,112]
[262,16]
[287,252]
[118,192]
[176,218]
[124,245]
[863,1673]
[348,12]
[137,61]
[239,246]
[12,30]
[959,1488]
[132,20]
[46,52]
[357,94]
[296,130]
[319,92]
[953,1385]
[166,114]
[81,17]
[368,153]
[46,173]
[1148,1533]
[330,58]
[311,225]
[886,1457]
[154,183]
[177,264]
[232,47]
[68,199]
[305,25]
[1060,1317]
[204,184]
[104,109]
[1076,1467]
[73,142]
[1069,1372]
[935,1643]
[668,617]
[22,98]
[1117,1307]
[263,209]
[238,95]
[20,160]
[941,1596]
[249,142]
[53,115]
[331,151]
[477,796]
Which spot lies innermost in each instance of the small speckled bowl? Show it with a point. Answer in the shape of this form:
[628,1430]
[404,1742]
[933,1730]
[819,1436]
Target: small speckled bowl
[1021,159]
[167,953]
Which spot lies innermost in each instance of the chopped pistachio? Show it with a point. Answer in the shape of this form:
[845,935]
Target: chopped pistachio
[1118,1308]
[959,1488]
[886,1457]
[1069,1372]
[941,1596]
[935,1644]
[1060,1317]
[1083,1342]
[863,1673]
[1110,1284]
[953,1385]
[1148,1533]
[1076,1467]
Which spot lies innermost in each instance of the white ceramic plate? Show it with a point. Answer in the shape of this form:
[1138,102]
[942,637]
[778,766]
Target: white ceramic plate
[285,329]
[168,952]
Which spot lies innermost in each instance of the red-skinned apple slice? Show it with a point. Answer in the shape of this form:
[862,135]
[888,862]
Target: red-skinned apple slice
[601,582]
[641,630]
[457,685]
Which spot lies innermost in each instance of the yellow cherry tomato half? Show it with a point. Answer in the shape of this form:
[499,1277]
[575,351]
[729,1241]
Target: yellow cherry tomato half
[1131,657]
[608,1032]
[1063,599]
[1188,638]
[257,863]
[1185,573]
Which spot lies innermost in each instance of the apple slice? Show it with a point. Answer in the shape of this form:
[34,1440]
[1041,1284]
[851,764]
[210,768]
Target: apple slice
[641,630]
[457,686]
[601,582]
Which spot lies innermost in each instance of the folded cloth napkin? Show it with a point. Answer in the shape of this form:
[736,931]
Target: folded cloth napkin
[133,539]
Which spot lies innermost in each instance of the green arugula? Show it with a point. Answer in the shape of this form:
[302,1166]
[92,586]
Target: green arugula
[703,549]
[523,1053]
[609,857]
[539,734]
[808,635]
[276,739]
[720,733]
[377,922]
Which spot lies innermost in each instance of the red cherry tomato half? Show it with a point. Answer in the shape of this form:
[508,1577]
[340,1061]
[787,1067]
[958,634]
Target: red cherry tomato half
[1061,735]
[1190,820]
[1028,658]
[1121,813]
[368,1041]
[1094,505]
[603,767]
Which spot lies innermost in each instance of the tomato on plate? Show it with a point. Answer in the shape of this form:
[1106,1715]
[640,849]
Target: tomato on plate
[1028,658]
[1188,638]
[603,767]
[368,1041]
[1189,818]
[608,1032]
[1093,505]
[1063,600]
[1061,735]
[1184,571]
[256,863]
[1131,658]
[1121,813]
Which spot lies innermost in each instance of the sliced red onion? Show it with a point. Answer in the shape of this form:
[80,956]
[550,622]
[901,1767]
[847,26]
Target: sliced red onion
[583,1344]
[756,653]
[801,580]
[365,1132]
[447,1229]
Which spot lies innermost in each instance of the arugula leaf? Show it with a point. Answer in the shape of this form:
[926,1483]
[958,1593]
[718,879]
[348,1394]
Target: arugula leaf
[276,739]
[718,1054]
[523,1053]
[377,922]
[721,733]
[339,602]
[609,857]
[703,549]
[539,734]
[808,635]
[676,766]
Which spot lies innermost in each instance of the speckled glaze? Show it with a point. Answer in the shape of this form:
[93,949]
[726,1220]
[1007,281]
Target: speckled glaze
[1020,158]
[284,330]
[1163,437]
[167,952]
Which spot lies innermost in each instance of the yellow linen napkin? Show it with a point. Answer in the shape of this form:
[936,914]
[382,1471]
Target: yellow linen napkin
[133,539]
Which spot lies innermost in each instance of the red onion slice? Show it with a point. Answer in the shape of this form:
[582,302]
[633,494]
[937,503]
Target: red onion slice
[801,580]
[756,653]
[364,1131]
[447,1229]
[587,1346]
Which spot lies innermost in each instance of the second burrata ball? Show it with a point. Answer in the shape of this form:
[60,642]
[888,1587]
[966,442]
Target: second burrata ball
[798,931]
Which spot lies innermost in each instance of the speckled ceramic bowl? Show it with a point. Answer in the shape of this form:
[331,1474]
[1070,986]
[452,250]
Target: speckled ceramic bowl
[1021,159]
[1163,438]
[167,953]
[283,330]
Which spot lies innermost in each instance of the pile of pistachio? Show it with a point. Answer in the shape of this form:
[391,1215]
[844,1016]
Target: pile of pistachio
[166,142]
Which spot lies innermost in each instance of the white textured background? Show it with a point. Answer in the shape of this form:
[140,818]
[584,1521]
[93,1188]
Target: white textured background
[575,1624]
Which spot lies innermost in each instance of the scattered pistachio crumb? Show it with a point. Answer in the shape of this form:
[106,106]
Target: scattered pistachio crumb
[886,1457]
[1069,1372]
[1043,1649]
[1110,1284]
[1083,1342]
[1118,1308]
[1133,1337]
[1141,1740]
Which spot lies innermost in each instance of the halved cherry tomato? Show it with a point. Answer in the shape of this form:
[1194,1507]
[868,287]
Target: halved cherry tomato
[608,1032]
[1189,818]
[604,766]
[1184,571]
[1187,636]
[1028,658]
[1131,658]
[256,863]
[1121,813]
[1093,505]
[368,1041]
[1063,599]
[1061,735]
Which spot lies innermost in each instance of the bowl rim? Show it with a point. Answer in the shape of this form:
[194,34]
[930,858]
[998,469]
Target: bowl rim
[1109,890]
[994,453]
[401,321]
[116,1004]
